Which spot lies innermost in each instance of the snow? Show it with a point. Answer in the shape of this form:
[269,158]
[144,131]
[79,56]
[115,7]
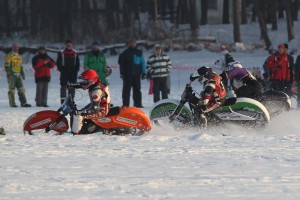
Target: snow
[221,163]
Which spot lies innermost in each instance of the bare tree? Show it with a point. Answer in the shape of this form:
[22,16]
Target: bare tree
[274,15]
[244,12]
[204,8]
[226,12]
[236,20]
[289,20]
[262,23]
[7,18]
[193,19]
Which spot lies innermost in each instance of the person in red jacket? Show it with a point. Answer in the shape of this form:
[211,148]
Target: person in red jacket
[42,64]
[280,70]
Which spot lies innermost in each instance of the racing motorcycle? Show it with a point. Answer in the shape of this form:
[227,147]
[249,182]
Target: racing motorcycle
[275,101]
[118,121]
[242,111]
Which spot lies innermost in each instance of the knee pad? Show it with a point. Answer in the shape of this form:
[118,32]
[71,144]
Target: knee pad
[21,90]
[77,123]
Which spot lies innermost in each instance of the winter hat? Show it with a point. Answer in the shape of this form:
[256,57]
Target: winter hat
[222,48]
[42,48]
[286,45]
[95,43]
[130,40]
[157,49]
[157,46]
[68,41]
[281,46]
[228,59]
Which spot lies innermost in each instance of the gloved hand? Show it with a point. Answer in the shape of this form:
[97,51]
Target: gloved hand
[144,76]
[66,109]
[223,75]
[192,78]
[148,75]
[49,65]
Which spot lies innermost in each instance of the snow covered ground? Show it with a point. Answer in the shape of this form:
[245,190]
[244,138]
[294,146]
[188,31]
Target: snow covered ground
[231,163]
[164,164]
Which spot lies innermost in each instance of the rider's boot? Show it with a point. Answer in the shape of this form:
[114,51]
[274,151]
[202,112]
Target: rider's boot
[200,120]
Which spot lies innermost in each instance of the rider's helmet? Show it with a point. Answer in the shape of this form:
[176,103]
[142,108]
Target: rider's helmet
[202,74]
[89,78]
[228,59]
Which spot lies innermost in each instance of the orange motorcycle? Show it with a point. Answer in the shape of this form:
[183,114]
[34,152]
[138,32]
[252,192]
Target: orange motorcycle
[119,121]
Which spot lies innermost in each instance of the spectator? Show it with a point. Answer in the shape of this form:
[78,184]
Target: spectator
[297,79]
[291,62]
[159,66]
[280,71]
[15,74]
[42,64]
[132,70]
[68,65]
[96,60]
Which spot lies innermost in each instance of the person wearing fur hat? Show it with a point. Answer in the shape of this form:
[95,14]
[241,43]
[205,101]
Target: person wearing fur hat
[159,66]
[280,71]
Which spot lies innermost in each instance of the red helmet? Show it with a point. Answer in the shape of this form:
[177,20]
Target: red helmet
[89,77]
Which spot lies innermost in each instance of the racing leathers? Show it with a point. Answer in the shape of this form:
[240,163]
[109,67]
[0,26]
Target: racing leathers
[98,108]
[214,93]
[213,96]
[250,86]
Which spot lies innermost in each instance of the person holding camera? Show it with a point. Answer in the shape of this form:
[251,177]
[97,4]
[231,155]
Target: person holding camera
[42,63]
[280,71]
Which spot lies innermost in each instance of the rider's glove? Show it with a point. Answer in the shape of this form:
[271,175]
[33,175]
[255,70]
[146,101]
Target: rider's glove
[66,109]
[192,78]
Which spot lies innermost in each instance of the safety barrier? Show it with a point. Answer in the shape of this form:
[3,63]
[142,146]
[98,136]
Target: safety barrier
[30,69]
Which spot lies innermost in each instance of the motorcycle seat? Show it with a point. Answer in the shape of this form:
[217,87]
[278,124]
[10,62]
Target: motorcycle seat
[113,111]
[230,101]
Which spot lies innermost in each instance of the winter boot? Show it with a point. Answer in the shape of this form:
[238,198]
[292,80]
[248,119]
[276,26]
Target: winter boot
[22,99]
[2,131]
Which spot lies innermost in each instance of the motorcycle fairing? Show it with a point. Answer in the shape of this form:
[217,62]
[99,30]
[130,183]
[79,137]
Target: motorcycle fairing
[43,119]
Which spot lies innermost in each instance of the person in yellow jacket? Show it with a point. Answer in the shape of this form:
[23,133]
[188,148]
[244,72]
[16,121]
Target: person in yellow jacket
[15,74]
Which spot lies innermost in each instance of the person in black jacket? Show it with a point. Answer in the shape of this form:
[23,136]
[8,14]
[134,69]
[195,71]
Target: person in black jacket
[68,65]
[292,68]
[132,70]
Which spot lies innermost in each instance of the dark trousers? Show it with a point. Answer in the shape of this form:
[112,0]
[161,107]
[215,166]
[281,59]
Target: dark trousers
[64,79]
[41,95]
[252,88]
[135,83]
[160,85]
[283,86]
